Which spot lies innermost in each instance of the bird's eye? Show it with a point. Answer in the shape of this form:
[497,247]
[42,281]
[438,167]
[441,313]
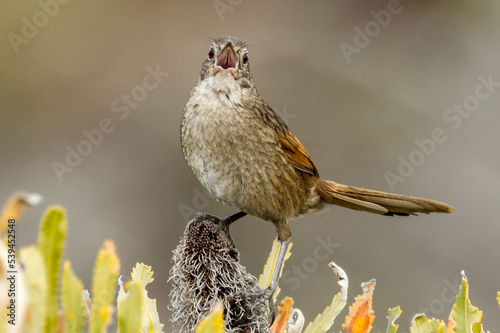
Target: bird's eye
[211,53]
[245,58]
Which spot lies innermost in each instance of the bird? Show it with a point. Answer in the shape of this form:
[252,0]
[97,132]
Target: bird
[244,154]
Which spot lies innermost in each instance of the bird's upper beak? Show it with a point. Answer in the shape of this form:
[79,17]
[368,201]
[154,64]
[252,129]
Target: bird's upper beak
[227,59]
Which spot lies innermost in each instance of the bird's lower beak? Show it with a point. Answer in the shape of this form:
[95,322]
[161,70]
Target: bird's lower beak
[227,60]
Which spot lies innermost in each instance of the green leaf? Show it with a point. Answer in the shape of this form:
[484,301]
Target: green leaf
[150,321]
[106,270]
[420,324]
[129,310]
[51,244]
[498,298]
[72,301]
[467,317]
[213,322]
[394,314]
[36,281]
[324,321]
[437,326]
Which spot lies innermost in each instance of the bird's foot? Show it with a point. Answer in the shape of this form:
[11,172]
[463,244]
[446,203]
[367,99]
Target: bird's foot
[260,297]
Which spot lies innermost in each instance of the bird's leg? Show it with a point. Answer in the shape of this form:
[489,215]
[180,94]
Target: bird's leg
[232,218]
[268,293]
[226,222]
[273,284]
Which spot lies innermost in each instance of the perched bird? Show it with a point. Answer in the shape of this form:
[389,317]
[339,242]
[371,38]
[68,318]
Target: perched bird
[244,154]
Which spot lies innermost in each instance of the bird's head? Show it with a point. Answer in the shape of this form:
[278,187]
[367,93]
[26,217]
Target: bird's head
[227,56]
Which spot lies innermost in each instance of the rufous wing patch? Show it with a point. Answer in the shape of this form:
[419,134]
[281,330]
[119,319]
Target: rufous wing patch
[297,154]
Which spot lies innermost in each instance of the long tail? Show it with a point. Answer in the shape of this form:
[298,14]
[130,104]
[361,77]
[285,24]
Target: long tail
[377,202]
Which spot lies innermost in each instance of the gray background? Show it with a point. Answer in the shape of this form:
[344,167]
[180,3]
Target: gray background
[355,119]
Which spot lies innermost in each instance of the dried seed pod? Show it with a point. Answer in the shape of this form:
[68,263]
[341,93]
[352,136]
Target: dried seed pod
[206,269]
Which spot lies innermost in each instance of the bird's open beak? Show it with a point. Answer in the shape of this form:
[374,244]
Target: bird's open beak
[227,60]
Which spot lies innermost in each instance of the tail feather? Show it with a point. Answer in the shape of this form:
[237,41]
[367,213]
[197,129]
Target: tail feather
[377,202]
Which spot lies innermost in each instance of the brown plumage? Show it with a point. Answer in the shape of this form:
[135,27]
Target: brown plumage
[357,198]
[244,154]
[377,202]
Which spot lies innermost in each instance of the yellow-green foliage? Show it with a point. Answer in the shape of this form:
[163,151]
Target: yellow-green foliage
[72,301]
[212,323]
[146,312]
[41,265]
[465,317]
[394,313]
[36,281]
[437,326]
[324,321]
[51,244]
[150,320]
[129,310]
[265,277]
[106,271]
[420,324]
[137,312]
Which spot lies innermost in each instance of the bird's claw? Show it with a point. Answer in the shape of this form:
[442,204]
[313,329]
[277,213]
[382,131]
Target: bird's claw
[260,297]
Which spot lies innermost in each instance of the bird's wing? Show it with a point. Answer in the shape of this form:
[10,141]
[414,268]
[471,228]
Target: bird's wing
[297,153]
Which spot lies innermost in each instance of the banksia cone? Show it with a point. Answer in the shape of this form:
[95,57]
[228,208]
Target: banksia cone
[206,269]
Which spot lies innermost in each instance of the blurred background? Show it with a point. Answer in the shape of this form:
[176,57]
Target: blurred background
[358,82]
